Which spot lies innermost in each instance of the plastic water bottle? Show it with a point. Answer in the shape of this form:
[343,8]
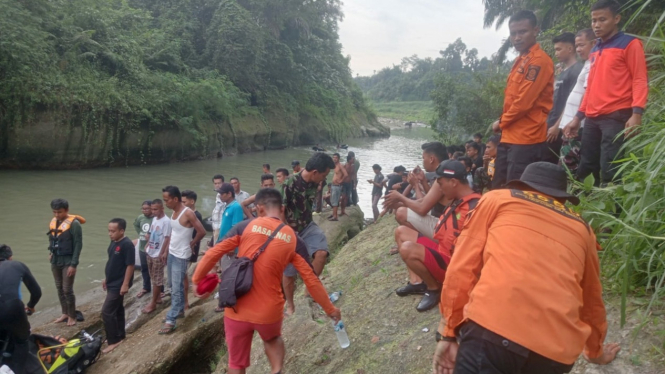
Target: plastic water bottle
[342,337]
[335,296]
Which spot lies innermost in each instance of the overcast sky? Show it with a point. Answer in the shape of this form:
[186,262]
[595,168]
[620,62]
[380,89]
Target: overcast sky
[378,33]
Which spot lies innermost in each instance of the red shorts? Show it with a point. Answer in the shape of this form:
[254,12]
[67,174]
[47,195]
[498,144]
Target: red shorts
[239,339]
[435,261]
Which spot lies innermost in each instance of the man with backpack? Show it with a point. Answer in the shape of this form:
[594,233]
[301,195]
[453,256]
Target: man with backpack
[272,245]
[428,259]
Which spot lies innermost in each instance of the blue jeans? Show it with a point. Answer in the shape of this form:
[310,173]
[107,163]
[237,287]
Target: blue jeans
[177,270]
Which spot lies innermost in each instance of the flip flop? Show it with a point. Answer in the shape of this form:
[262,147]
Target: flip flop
[393,250]
[218,310]
[166,329]
[333,219]
[141,293]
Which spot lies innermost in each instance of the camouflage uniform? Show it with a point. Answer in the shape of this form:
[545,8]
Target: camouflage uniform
[482,178]
[298,199]
[570,152]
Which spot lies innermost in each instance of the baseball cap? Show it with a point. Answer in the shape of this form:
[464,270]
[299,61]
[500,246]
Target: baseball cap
[225,188]
[451,169]
[207,284]
[295,162]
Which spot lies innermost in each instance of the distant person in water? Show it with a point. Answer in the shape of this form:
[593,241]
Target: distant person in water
[119,274]
[295,165]
[281,174]
[65,243]
[142,227]
[266,168]
[183,223]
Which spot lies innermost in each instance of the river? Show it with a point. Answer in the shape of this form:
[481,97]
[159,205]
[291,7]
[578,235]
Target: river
[101,194]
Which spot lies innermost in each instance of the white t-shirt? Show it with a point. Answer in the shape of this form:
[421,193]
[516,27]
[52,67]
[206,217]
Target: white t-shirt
[159,231]
[575,98]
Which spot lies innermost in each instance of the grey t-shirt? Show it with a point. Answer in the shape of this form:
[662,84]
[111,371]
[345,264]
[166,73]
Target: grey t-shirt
[563,85]
[378,178]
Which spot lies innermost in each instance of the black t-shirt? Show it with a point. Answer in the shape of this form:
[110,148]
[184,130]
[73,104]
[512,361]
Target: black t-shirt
[563,86]
[121,255]
[393,179]
[195,251]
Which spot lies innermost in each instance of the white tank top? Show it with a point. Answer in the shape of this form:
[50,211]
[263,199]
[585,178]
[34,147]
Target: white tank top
[181,236]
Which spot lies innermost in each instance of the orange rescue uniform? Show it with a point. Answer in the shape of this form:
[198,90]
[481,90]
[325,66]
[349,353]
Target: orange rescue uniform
[526,268]
[529,97]
[264,303]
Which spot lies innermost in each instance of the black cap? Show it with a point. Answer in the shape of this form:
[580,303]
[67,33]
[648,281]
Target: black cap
[225,188]
[546,178]
[451,169]
[295,162]
[5,252]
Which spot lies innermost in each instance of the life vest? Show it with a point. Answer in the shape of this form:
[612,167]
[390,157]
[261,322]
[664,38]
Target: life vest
[61,241]
[449,226]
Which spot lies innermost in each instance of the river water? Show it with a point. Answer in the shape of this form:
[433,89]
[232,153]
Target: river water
[102,194]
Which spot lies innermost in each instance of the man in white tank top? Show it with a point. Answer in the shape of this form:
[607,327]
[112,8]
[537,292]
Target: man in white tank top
[183,224]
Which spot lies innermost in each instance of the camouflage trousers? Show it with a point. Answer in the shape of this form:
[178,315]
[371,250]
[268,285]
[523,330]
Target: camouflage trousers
[570,152]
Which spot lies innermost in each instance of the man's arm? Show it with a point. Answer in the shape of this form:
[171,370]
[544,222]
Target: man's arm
[77,235]
[422,206]
[137,225]
[200,231]
[314,286]
[33,287]
[637,66]
[130,256]
[212,255]
[465,266]
[344,172]
[163,253]
[245,205]
[528,91]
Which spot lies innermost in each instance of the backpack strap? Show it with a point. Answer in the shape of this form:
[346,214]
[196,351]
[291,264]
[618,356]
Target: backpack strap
[265,245]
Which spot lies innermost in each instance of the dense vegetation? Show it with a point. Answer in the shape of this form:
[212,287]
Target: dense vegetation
[156,64]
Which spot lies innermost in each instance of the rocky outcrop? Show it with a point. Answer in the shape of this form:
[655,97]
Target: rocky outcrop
[49,142]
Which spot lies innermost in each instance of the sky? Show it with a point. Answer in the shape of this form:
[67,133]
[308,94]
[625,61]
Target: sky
[378,33]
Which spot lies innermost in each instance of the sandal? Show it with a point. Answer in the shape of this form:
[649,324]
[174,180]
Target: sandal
[333,219]
[141,293]
[219,309]
[166,329]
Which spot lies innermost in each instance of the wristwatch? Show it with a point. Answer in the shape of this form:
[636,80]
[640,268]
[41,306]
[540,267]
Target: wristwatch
[440,337]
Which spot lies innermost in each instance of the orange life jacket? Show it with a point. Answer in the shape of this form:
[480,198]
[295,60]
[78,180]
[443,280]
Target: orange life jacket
[61,242]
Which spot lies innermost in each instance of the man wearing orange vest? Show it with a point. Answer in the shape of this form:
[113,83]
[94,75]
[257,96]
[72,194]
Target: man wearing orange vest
[65,243]
[427,258]
[528,99]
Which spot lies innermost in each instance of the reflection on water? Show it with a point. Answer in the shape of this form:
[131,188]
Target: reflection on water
[102,194]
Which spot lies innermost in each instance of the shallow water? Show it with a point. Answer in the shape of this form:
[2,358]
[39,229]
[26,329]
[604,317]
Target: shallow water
[102,194]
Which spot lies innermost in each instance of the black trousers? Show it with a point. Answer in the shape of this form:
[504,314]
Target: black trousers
[484,352]
[512,159]
[144,272]
[601,145]
[113,315]
[14,320]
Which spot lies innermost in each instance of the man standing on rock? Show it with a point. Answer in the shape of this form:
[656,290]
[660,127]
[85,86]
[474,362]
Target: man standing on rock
[119,276]
[65,244]
[298,193]
[142,226]
[353,198]
[428,258]
[522,293]
[183,224]
[336,188]
[158,238]
[261,309]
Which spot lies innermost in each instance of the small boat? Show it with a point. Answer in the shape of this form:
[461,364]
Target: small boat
[343,146]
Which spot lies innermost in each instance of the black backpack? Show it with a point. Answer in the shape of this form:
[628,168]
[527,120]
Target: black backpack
[237,279]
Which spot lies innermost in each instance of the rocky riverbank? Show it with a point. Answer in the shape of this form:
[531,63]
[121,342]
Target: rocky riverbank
[46,143]
[197,345]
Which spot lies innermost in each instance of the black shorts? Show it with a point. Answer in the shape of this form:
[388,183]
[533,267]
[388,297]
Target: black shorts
[347,188]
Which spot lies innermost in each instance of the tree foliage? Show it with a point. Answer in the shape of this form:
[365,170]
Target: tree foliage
[154,64]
